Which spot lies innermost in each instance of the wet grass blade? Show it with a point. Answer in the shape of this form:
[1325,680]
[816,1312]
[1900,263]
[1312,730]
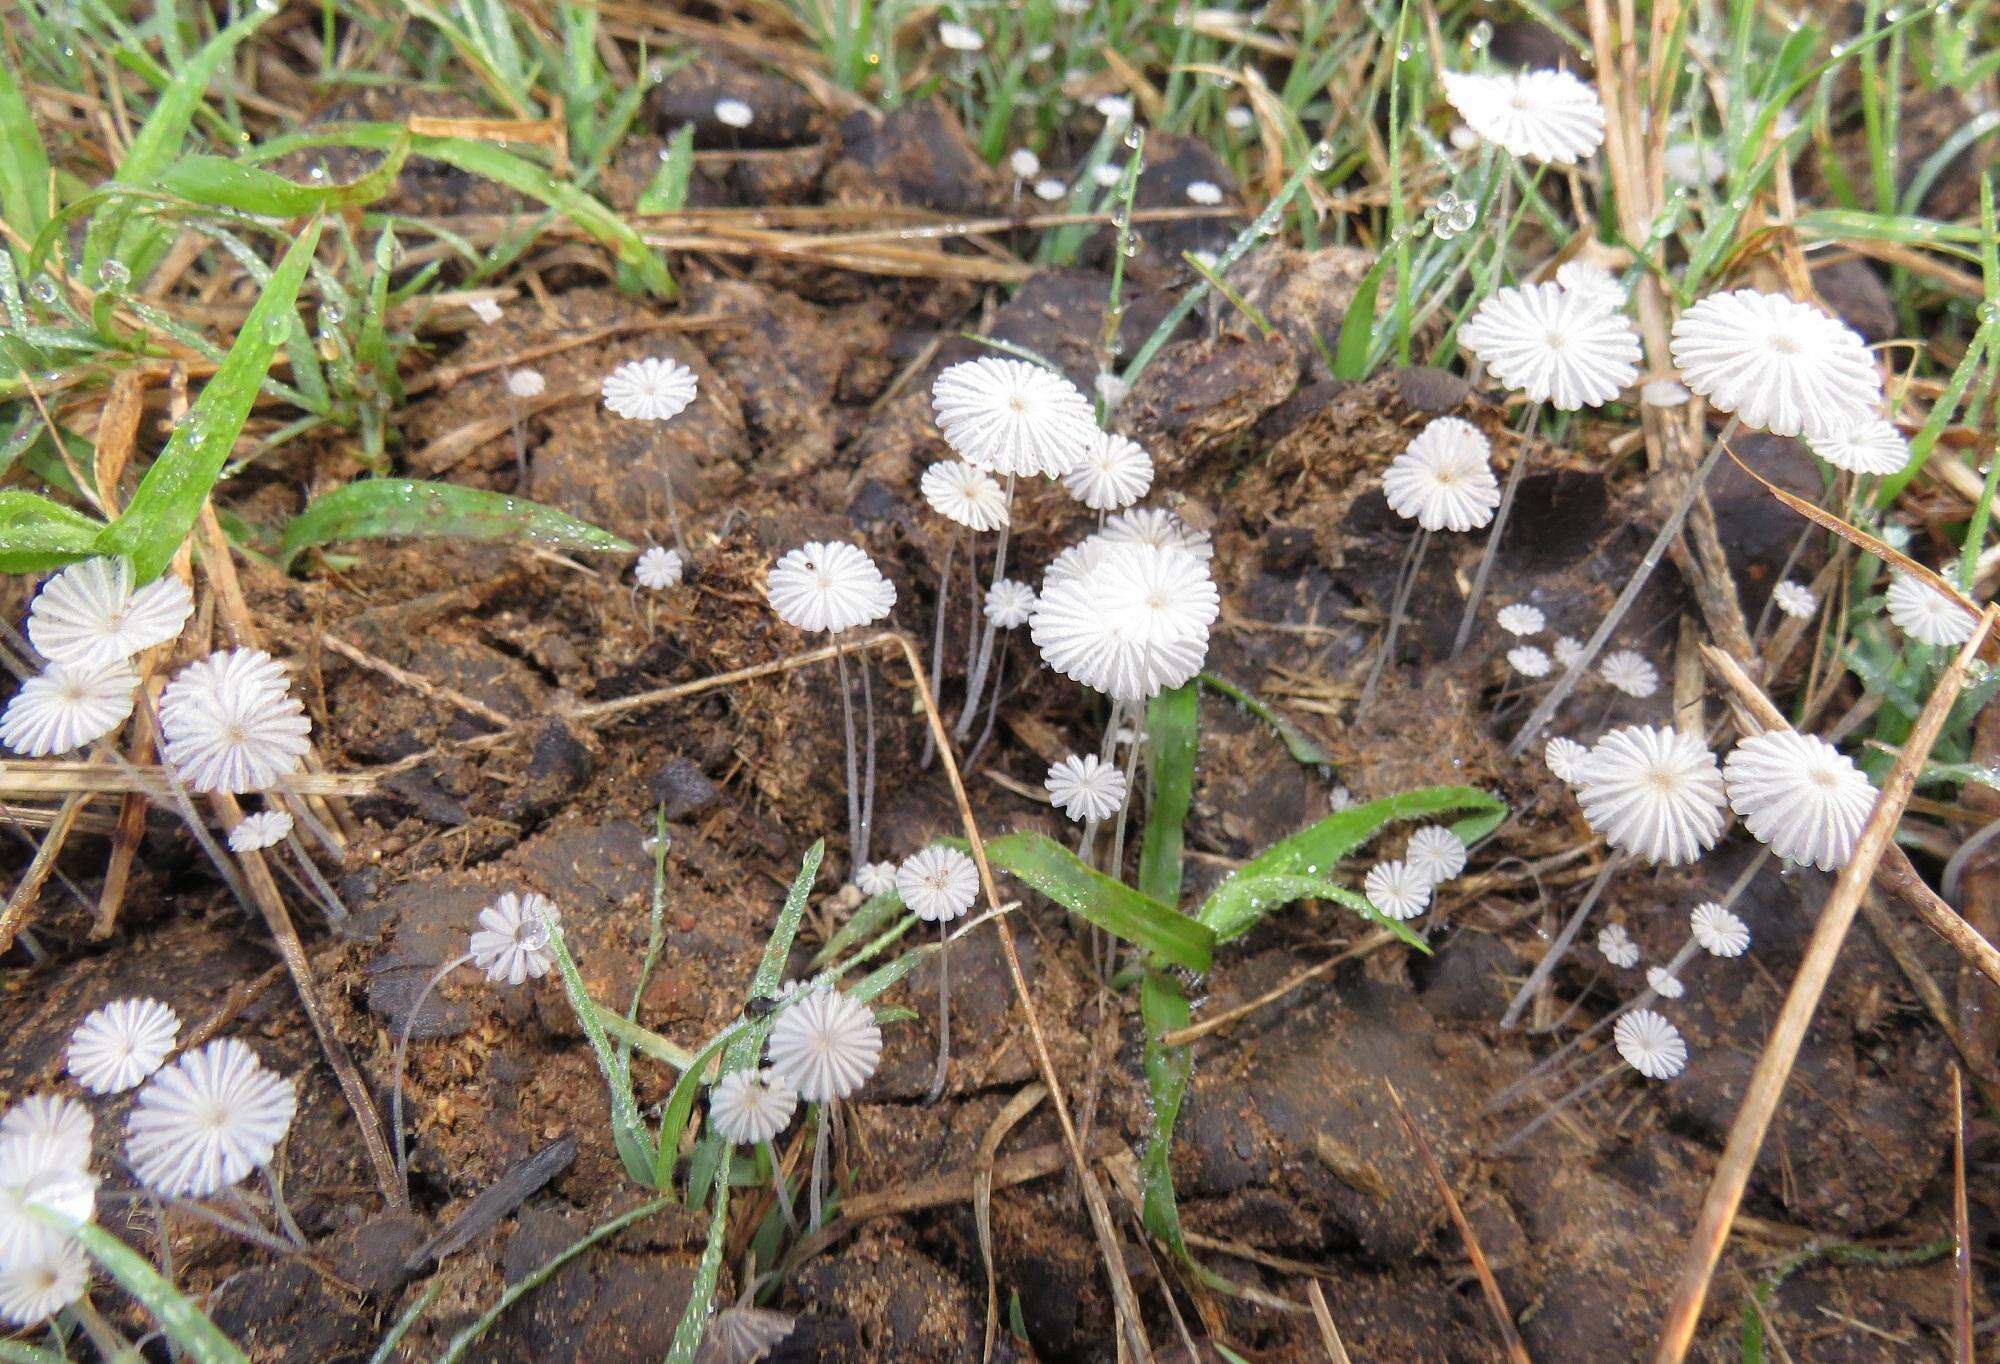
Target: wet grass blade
[407,508]
[1296,741]
[385,1349]
[222,183]
[1357,328]
[24,162]
[668,190]
[157,144]
[1163,1008]
[37,534]
[1171,719]
[739,1047]
[1260,895]
[627,1132]
[771,969]
[870,917]
[169,497]
[179,1319]
[695,1316]
[14,1352]
[1116,908]
[1172,737]
[483,159]
[1238,902]
[540,1275]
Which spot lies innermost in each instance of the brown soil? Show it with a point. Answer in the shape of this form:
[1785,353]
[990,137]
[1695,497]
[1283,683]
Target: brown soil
[812,421]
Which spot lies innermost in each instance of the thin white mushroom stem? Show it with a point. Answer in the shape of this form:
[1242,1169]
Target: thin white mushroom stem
[1086,843]
[944,1014]
[247,1231]
[673,510]
[1657,551]
[1125,807]
[1805,538]
[816,1191]
[1491,552]
[283,1209]
[1406,581]
[1508,1145]
[779,1190]
[1550,959]
[1086,846]
[402,1058]
[974,616]
[302,814]
[162,1236]
[323,891]
[177,796]
[335,918]
[975,686]
[937,646]
[1516,686]
[520,442]
[108,1340]
[976,683]
[992,706]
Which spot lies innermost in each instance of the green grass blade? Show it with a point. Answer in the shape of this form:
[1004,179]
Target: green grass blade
[538,1276]
[627,1132]
[643,1040]
[1116,908]
[1257,896]
[1853,224]
[180,1320]
[219,182]
[157,144]
[1237,903]
[407,508]
[1163,1007]
[680,1103]
[158,141]
[385,1348]
[1357,327]
[870,917]
[14,1352]
[24,162]
[884,978]
[1171,719]
[37,534]
[1943,409]
[668,191]
[694,1317]
[372,349]
[1297,742]
[770,972]
[739,1047]
[501,167]
[169,497]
